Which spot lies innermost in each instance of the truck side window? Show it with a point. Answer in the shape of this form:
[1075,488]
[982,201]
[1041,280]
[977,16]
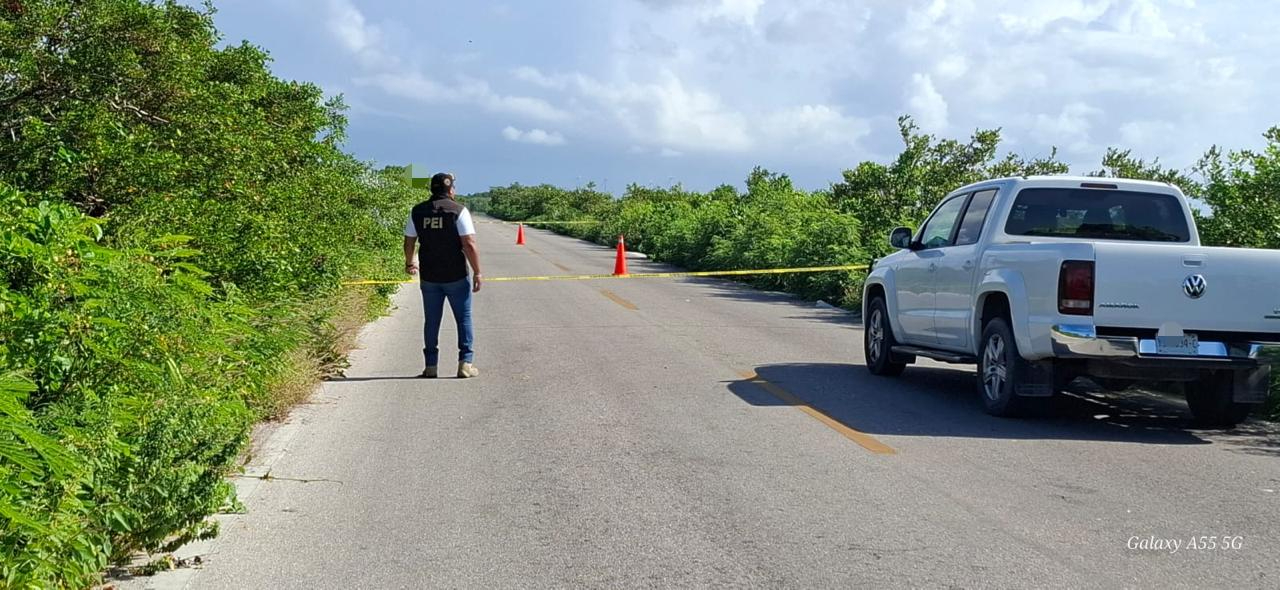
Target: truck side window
[937,232]
[975,217]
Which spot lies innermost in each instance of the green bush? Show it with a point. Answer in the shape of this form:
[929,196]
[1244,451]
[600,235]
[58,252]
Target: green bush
[174,222]
[132,382]
[772,225]
[905,191]
[129,375]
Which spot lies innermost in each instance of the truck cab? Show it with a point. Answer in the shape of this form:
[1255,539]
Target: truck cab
[1040,280]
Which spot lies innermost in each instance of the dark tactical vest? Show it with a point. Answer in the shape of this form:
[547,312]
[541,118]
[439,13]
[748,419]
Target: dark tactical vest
[440,257]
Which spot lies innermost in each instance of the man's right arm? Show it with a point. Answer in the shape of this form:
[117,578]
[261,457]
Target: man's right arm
[410,240]
[410,264]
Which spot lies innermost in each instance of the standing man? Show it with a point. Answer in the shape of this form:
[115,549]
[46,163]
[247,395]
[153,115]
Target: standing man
[447,238]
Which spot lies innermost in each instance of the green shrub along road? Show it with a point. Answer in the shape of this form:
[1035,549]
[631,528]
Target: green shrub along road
[174,222]
[774,224]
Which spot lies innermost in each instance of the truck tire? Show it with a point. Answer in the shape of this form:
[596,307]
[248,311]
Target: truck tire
[1211,403]
[999,367]
[878,340]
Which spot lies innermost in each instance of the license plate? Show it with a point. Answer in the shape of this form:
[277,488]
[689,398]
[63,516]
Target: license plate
[1186,345]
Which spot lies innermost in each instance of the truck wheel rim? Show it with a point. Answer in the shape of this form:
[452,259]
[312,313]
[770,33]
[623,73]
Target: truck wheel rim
[876,336]
[994,367]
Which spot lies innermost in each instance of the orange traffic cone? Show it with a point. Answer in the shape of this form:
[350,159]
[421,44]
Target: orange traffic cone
[620,265]
[520,235]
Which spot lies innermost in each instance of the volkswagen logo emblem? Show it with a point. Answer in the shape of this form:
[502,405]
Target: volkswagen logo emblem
[1194,286]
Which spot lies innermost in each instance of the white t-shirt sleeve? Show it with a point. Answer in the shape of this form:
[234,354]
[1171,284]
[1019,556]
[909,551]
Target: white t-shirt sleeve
[465,226]
[409,230]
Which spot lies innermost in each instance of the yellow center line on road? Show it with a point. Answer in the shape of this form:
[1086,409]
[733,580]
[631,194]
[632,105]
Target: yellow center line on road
[863,439]
[620,301]
[562,267]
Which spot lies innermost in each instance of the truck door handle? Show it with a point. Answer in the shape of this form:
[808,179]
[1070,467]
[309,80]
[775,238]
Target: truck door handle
[968,265]
[933,266]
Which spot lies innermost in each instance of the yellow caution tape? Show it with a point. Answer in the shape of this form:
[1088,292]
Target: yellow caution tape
[646,275]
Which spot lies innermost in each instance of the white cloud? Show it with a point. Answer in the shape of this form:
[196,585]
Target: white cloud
[670,153]
[927,104]
[667,112]
[743,11]
[818,126]
[1070,128]
[818,83]
[480,92]
[533,136]
[659,111]
[533,76]
[357,36]
[736,11]
[951,67]
[386,72]
[414,86]
[348,24]
[1141,18]
[1139,132]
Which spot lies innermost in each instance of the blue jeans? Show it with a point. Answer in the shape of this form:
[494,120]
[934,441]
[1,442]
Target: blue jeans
[459,295]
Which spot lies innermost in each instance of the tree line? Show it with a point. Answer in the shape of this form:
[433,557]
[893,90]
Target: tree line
[174,222]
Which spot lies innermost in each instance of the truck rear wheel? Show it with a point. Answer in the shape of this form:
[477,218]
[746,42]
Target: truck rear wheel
[1000,366]
[1211,403]
[878,340]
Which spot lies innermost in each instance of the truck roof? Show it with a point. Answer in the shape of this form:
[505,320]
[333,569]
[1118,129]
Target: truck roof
[1067,179]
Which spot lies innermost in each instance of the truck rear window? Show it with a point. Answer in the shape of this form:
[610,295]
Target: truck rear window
[1098,215]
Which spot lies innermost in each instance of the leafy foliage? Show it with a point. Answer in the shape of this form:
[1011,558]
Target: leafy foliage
[772,224]
[123,374]
[1118,163]
[1242,191]
[173,224]
[905,191]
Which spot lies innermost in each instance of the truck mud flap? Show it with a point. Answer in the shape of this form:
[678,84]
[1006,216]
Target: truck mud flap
[1252,387]
[1035,380]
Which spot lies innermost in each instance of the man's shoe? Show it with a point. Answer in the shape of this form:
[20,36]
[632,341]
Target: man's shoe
[429,373]
[467,371]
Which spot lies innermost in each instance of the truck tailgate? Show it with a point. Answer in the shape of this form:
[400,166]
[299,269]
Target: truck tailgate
[1195,288]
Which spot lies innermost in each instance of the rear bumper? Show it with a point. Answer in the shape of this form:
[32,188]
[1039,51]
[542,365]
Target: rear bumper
[1083,342]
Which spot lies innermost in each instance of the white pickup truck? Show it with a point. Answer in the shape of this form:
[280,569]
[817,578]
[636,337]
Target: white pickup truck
[1041,280]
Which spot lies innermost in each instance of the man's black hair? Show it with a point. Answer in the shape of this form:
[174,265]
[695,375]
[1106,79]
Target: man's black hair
[441,182]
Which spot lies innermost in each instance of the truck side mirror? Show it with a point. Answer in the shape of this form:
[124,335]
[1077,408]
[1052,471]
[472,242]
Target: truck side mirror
[900,238]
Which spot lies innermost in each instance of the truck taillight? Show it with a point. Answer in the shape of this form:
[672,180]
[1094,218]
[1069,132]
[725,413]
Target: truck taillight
[1075,288]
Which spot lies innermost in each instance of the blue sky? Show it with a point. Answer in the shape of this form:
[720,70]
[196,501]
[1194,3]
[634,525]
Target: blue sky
[700,91]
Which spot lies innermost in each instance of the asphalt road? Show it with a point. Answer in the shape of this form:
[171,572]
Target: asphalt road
[675,433]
